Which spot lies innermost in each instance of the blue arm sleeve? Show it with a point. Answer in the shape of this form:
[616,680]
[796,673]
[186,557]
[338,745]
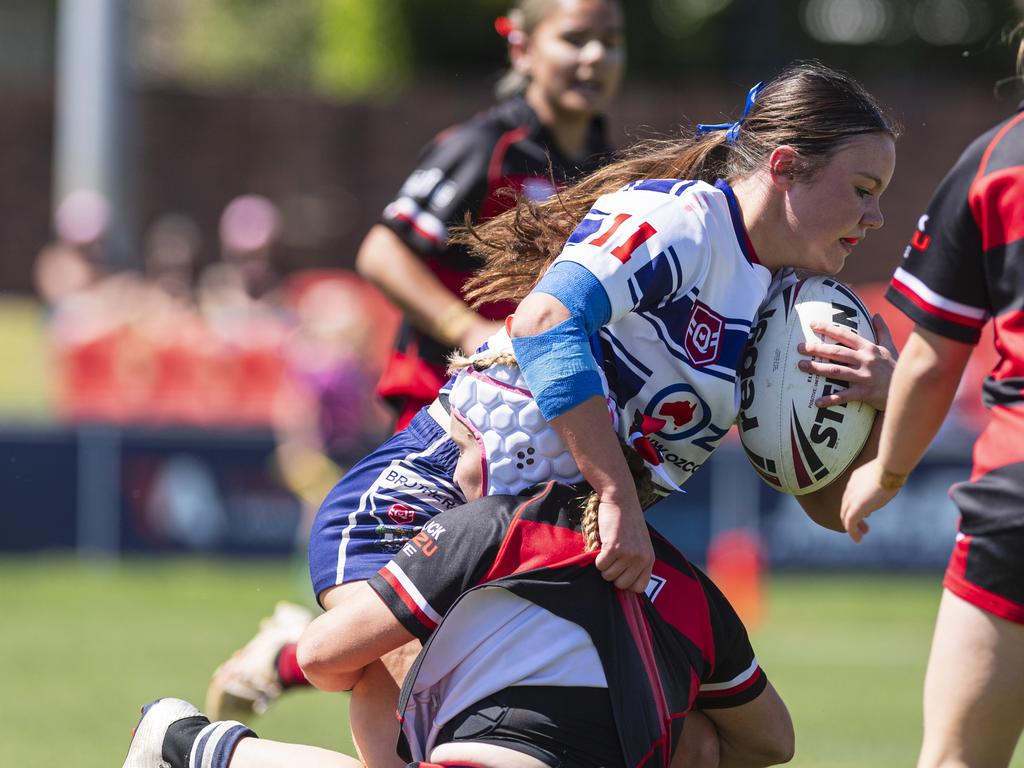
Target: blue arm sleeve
[581,293]
[559,367]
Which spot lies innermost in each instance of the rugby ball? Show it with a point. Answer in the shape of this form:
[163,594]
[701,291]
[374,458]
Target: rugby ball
[795,446]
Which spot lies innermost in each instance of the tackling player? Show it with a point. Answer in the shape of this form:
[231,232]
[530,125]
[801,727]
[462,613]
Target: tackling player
[538,661]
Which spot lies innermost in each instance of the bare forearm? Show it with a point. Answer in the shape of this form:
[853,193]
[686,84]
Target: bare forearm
[923,388]
[392,266]
[823,506]
[587,432]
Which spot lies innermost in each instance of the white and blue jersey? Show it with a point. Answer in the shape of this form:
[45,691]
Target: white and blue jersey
[669,266]
[673,286]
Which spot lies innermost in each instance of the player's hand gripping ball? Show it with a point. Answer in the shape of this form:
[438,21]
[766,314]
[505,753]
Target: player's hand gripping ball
[795,445]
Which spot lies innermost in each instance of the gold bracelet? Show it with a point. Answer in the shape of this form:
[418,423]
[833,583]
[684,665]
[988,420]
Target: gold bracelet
[890,481]
[453,322]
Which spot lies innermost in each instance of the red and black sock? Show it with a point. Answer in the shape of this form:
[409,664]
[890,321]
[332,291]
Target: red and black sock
[288,670]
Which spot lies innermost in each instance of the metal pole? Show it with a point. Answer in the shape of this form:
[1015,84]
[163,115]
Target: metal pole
[90,109]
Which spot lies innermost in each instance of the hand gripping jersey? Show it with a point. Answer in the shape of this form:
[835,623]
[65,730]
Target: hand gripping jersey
[464,170]
[964,265]
[684,286]
[523,604]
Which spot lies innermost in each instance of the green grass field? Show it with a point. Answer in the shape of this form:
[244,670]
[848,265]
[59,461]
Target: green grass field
[85,644]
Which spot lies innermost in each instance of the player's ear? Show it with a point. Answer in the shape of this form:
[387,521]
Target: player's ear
[782,164]
[519,52]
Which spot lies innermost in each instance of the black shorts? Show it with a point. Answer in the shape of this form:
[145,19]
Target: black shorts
[562,727]
[987,570]
[987,565]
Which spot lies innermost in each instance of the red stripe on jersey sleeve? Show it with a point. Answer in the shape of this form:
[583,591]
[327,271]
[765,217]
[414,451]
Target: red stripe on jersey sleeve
[405,218]
[407,599]
[931,309]
[997,203]
[737,689]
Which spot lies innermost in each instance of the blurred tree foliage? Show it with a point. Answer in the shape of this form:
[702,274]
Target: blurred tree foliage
[362,47]
[247,41]
[354,48]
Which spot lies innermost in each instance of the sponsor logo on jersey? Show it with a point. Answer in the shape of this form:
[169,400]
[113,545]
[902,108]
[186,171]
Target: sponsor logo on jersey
[391,538]
[401,514]
[703,335]
[413,484]
[426,540]
[684,412]
[920,241]
[681,463]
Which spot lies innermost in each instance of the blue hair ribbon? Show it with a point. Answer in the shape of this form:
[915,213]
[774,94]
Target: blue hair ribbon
[733,129]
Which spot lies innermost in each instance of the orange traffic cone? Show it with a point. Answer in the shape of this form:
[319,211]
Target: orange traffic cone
[737,566]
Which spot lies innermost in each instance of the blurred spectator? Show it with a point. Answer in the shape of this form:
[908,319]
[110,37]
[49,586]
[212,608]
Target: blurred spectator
[237,346]
[249,227]
[170,253]
[74,261]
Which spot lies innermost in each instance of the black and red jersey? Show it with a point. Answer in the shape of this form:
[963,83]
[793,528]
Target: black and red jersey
[469,168]
[963,267]
[503,594]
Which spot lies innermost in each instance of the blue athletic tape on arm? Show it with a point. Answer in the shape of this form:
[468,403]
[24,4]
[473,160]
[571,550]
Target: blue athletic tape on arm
[581,293]
[559,367]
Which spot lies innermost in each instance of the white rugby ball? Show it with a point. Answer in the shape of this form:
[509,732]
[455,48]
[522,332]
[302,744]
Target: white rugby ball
[795,446]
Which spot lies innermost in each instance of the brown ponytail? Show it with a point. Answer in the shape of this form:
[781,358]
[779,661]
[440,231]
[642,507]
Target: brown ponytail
[807,106]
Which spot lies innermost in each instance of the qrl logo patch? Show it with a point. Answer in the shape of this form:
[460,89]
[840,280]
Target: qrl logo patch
[400,514]
[703,335]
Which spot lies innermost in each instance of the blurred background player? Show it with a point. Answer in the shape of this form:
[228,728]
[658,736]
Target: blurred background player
[960,270]
[567,60]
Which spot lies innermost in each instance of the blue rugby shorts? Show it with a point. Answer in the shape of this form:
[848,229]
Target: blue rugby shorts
[382,502]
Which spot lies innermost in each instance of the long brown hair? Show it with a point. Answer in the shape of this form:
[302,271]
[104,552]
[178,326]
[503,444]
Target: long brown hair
[807,106]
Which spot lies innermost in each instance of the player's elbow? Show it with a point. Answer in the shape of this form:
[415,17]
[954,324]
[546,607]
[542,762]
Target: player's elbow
[770,746]
[323,662]
[781,749]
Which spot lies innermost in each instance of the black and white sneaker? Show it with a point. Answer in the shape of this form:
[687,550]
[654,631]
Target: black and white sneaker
[174,734]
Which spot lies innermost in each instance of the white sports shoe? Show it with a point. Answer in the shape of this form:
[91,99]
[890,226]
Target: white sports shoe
[247,683]
[146,749]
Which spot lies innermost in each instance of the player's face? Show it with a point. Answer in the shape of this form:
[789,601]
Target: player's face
[828,214]
[575,57]
[469,469]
